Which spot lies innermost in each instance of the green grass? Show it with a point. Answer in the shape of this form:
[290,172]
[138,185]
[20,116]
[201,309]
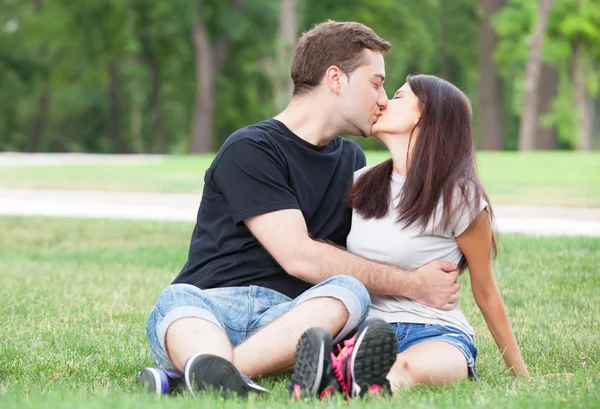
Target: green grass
[176,174]
[76,293]
[540,178]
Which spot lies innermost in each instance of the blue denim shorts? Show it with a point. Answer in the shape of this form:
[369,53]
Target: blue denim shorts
[240,311]
[413,334]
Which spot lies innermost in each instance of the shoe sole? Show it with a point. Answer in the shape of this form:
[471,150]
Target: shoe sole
[150,380]
[211,372]
[373,356]
[310,353]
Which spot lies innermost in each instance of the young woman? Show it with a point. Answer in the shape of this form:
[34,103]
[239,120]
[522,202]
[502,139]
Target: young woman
[425,204]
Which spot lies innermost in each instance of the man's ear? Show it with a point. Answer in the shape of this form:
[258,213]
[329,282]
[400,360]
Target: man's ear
[333,79]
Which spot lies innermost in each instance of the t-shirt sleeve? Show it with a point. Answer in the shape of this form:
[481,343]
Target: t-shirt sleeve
[253,180]
[466,212]
[361,159]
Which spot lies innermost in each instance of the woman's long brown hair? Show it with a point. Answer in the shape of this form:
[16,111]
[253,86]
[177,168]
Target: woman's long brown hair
[441,163]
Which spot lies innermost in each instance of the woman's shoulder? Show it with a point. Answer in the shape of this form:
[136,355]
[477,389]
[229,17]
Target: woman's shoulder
[468,200]
[360,171]
[466,192]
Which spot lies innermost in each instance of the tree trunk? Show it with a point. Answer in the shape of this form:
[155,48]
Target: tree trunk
[135,91]
[444,69]
[584,132]
[117,109]
[40,119]
[595,121]
[210,59]
[136,124]
[490,84]
[529,114]
[288,34]
[160,139]
[546,138]
[38,123]
[202,128]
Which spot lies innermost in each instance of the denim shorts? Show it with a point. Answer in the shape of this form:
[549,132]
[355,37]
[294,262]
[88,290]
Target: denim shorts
[240,311]
[413,334]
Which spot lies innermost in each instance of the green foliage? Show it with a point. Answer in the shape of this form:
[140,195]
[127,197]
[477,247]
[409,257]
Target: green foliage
[570,21]
[120,75]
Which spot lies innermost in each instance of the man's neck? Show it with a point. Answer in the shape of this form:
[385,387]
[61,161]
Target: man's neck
[310,120]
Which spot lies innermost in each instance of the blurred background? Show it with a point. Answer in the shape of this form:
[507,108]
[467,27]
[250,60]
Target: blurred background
[178,76]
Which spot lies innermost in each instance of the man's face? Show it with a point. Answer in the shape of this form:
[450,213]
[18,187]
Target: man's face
[362,95]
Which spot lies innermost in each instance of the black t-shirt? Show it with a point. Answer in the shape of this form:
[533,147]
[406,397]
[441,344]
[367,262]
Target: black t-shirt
[260,169]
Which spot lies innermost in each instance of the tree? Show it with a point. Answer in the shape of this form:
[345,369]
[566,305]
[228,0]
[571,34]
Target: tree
[567,24]
[532,77]
[40,119]
[158,76]
[288,33]
[490,83]
[546,137]
[211,57]
[580,27]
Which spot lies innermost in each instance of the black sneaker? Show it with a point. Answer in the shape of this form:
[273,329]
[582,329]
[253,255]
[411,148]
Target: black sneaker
[313,375]
[158,381]
[360,367]
[206,371]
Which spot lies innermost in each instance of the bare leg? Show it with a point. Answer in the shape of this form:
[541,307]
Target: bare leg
[430,363]
[271,349]
[190,336]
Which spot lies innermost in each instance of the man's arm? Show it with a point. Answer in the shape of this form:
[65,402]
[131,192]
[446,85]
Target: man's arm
[285,236]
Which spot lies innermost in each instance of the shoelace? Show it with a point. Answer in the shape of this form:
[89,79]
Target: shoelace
[328,391]
[337,364]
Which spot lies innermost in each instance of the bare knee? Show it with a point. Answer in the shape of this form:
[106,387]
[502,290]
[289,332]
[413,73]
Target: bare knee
[335,313]
[335,307]
[401,375]
[427,364]
[329,308]
[190,328]
[189,336]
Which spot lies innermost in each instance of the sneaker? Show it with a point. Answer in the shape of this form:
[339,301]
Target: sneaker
[206,371]
[363,364]
[360,367]
[158,381]
[313,374]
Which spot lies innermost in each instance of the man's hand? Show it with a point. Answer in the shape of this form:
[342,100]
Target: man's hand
[436,285]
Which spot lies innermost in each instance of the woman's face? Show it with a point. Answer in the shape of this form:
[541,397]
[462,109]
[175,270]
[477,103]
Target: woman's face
[401,114]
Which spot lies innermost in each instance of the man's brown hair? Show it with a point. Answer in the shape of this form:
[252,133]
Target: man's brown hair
[331,43]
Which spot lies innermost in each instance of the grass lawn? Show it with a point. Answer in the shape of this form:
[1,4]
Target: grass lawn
[75,296]
[540,178]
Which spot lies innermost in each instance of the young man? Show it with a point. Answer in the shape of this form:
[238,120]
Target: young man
[265,262]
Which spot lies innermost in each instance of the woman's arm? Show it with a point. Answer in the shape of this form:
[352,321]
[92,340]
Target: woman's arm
[475,243]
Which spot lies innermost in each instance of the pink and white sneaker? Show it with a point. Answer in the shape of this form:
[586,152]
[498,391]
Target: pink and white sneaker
[359,367]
